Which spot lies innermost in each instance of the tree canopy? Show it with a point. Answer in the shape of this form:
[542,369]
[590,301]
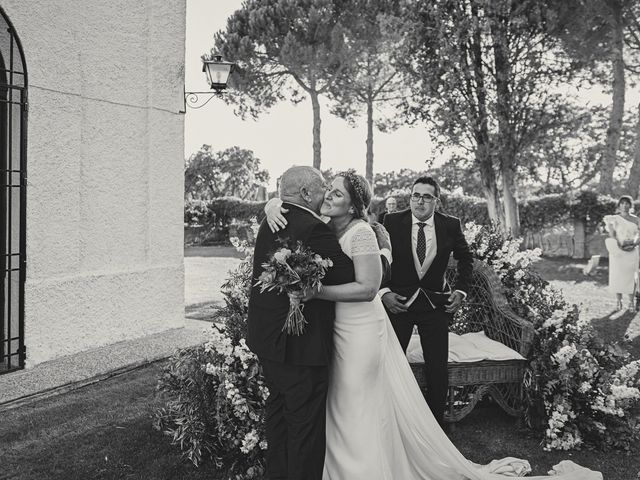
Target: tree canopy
[284,49]
[231,172]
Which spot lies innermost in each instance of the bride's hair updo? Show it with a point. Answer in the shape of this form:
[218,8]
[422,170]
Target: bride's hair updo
[359,191]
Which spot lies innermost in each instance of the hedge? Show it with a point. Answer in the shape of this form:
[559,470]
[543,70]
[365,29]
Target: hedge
[535,212]
[222,211]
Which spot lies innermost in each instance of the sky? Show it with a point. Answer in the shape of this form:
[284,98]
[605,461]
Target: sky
[282,137]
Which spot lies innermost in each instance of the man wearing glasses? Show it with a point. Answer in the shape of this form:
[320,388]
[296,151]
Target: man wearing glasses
[417,293]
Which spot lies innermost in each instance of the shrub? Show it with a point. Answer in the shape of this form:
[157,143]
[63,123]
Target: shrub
[215,392]
[467,209]
[535,212]
[579,391]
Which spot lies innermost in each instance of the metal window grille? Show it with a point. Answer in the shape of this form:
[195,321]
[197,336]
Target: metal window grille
[13,179]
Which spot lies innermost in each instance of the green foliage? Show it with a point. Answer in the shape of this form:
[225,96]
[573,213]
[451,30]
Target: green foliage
[189,419]
[591,207]
[455,175]
[543,211]
[223,217]
[536,213]
[467,209]
[215,393]
[281,50]
[371,83]
[486,76]
[601,37]
[284,50]
[232,172]
[390,183]
[566,158]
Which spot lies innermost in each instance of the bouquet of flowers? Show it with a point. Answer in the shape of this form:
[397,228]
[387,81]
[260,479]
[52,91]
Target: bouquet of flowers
[293,269]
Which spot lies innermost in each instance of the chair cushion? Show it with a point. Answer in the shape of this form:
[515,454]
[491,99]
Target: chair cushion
[470,347]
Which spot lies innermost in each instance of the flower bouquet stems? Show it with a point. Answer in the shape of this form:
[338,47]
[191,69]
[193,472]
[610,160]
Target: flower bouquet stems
[295,322]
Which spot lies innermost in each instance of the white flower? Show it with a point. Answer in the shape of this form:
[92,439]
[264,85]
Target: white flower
[281,255]
[563,356]
[471,232]
[249,442]
[212,369]
[629,372]
[557,318]
[584,387]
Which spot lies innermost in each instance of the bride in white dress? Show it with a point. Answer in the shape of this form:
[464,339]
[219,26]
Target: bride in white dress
[379,426]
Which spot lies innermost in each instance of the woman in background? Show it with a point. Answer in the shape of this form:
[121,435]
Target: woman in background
[622,245]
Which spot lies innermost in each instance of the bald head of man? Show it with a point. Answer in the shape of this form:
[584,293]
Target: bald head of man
[304,186]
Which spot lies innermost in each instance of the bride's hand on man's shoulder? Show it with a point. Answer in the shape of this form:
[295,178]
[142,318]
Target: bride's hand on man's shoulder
[275,215]
[382,236]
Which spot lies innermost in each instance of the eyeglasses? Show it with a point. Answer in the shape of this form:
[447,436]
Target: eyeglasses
[426,198]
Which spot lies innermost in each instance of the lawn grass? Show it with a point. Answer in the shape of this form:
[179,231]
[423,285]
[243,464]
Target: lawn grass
[104,431]
[596,302]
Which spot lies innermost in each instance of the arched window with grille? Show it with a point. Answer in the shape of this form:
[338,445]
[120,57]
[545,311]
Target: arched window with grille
[13,180]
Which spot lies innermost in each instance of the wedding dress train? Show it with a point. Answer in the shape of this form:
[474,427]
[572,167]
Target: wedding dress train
[379,426]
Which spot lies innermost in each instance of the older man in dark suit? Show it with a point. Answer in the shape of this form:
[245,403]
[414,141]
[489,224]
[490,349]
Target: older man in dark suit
[296,367]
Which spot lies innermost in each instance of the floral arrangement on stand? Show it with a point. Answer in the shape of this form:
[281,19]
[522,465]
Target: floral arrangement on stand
[215,393]
[578,390]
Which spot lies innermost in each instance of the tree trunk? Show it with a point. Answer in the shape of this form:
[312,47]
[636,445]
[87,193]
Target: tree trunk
[608,160]
[316,130]
[369,164]
[483,157]
[511,215]
[506,150]
[633,182]
[490,188]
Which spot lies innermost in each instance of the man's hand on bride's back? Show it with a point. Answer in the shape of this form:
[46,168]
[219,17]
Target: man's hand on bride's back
[275,215]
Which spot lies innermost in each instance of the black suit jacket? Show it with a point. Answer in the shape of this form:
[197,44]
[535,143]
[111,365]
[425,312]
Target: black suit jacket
[268,310]
[404,279]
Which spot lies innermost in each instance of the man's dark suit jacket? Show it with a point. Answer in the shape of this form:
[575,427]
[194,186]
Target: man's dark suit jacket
[268,310]
[404,279]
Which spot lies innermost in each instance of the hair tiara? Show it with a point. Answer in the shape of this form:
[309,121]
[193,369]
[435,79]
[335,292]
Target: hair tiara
[352,178]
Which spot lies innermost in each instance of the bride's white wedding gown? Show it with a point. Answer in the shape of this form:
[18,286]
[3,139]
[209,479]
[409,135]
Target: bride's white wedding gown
[379,426]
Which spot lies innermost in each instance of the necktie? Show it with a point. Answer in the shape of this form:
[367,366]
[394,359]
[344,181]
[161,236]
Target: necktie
[421,247]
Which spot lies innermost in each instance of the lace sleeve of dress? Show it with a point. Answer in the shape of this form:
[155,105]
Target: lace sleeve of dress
[364,242]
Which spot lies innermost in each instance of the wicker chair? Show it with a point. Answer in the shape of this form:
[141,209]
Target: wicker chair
[486,308]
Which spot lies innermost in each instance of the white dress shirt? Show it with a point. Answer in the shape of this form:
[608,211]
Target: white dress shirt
[432,244]
[431,250]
